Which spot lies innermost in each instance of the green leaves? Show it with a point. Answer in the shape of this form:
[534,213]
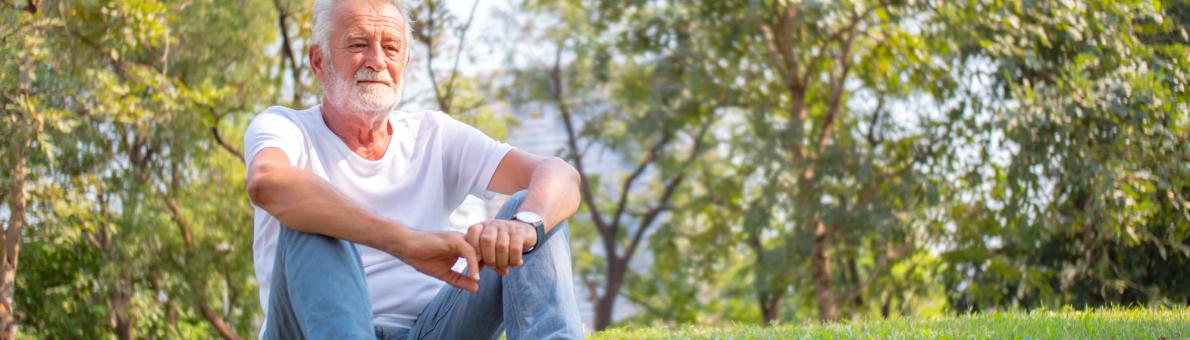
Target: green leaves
[119,99]
[1036,147]
[1087,105]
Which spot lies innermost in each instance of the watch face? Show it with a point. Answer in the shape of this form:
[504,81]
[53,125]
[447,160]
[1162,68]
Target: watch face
[527,217]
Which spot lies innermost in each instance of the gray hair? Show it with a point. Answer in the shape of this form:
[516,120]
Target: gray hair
[321,30]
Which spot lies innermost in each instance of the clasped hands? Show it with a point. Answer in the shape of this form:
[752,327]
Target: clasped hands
[495,244]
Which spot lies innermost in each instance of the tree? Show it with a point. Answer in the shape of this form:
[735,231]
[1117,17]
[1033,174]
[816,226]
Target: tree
[294,24]
[1079,194]
[132,225]
[443,38]
[633,129]
[824,181]
[858,184]
[806,176]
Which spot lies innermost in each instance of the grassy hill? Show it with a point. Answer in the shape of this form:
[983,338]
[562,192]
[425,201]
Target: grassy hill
[1116,323]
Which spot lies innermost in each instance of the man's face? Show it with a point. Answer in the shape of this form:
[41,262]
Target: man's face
[366,57]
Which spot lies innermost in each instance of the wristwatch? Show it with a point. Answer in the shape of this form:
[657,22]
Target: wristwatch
[538,225]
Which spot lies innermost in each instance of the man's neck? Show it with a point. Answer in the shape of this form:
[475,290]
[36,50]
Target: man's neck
[368,139]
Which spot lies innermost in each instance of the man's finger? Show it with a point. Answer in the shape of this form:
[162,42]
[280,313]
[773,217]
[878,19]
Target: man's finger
[515,258]
[468,253]
[516,244]
[487,246]
[502,249]
[461,281]
[473,235]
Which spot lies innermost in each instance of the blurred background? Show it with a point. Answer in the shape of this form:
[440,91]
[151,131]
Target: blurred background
[749,162]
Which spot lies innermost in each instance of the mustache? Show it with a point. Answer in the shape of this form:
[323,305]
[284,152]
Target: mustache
[366,74]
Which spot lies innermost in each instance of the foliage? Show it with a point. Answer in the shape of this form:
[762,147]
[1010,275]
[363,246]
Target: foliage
[786,155]
[636,118]
[1078,194]
[1037,148]
[136,217]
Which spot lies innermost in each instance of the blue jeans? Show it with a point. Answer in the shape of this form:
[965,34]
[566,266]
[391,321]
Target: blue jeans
[318,291]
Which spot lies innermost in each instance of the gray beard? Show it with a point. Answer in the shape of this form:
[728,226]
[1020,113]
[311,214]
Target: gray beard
[371,106]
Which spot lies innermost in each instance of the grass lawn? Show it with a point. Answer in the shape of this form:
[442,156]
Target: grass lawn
[1116,323]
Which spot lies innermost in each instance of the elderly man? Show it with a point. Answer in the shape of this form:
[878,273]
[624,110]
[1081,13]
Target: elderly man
[352,199]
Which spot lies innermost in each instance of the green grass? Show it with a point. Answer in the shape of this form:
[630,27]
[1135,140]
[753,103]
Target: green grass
[1116,323]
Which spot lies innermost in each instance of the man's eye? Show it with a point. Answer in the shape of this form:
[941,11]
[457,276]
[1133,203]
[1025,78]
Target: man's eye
[358,45]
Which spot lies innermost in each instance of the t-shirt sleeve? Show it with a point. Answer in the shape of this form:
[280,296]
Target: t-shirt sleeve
[273,129]
[470,156]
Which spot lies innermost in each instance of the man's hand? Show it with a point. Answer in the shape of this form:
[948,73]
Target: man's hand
[434,253]
[501,242]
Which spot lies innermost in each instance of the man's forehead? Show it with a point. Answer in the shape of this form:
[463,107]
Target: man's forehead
[360,24]
[369,15]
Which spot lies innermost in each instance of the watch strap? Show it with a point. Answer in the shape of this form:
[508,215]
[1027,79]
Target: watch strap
[539,228]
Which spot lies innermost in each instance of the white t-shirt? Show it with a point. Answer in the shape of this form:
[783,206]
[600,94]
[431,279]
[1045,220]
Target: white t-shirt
[432,163]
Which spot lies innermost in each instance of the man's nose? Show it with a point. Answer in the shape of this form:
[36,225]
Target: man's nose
[374,57]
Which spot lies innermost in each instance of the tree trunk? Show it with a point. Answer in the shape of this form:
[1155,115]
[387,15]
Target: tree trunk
[603,311]
[607,302]
[768,299]
[12,243]
[122,307]
[857,298]
[824,295]
[770,307]
[886,301]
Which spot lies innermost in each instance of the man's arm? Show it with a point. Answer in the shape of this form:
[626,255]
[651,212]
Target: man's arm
[552,183]
[309,204]
[553,193]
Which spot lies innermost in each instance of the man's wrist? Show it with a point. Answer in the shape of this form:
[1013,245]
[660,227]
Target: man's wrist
[536,223]
[397,239]
[530,232]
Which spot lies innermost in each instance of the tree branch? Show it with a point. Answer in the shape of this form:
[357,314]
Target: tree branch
[427,36]
[871,137]
[780,48]
[287,49]
[183,227]
[781,55]
[197,288]
[856,18]
[219,138]
[650,156]
[555,75]
[670,187]
[215,321]
[592,289]
[454,69]
[225,145]
[838,83]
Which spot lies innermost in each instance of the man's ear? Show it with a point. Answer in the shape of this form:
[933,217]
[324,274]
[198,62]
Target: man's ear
[316,60]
